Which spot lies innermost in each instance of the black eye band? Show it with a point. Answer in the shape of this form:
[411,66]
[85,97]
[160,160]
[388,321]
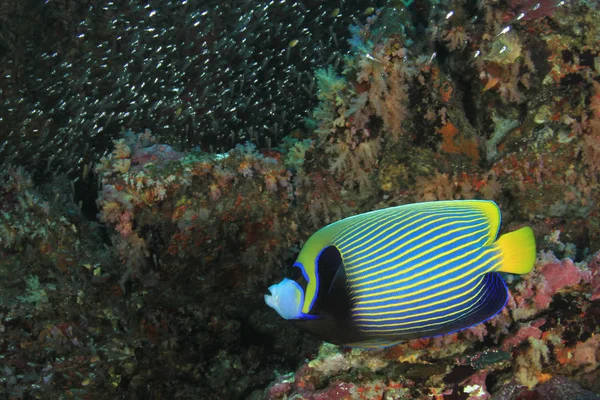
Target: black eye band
[294,272]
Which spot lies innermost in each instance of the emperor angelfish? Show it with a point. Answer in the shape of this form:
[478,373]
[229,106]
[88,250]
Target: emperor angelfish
[406,272]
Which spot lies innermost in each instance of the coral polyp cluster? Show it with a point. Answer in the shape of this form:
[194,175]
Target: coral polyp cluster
[142,273]
[169,205]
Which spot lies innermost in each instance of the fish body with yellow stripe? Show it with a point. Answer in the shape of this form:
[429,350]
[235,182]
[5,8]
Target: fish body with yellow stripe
[406,272]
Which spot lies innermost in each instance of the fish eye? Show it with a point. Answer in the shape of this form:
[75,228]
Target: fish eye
[293,273]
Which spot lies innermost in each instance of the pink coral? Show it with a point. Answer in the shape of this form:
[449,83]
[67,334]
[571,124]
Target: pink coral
[561,388]
[534,9]
[111,211]
[245,169]
[158,154]
[558,275]
[280,389]
[336,391]
[271,182]
[478,332]
[562,274]
[550,276]
[525,331]
[475,386]
[594,265]
[215,192]
[124,226]
[585,353]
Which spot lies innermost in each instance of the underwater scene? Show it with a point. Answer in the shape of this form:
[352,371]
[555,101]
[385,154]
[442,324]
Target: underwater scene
[308,200]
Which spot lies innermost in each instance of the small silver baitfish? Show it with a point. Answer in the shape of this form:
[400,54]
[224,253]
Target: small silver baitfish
[406,272]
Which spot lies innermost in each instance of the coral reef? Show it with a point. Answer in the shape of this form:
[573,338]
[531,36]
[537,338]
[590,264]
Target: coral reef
[202,72]
[502,359]
[153,287]
[164,205]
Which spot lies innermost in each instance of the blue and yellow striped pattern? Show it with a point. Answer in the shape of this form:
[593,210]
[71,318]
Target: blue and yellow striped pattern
[423,269]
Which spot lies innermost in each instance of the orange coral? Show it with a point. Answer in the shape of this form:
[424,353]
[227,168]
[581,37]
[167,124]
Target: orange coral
[491,83]
[453,142]
[446,91]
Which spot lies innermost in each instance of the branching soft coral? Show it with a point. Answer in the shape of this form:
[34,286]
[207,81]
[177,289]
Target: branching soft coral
[386,73]
[354,161]
[504,64]
[375,89]
[24,217]
[529,364]
[352,149]
[591,140]
[438,187]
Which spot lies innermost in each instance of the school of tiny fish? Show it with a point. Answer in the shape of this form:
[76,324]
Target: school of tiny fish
[199,73]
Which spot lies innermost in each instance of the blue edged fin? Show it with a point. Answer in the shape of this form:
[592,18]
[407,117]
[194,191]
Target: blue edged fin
[518,251]
[493,295]
[492,301]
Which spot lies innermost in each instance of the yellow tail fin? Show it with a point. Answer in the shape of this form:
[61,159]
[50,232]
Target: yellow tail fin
[518,251]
